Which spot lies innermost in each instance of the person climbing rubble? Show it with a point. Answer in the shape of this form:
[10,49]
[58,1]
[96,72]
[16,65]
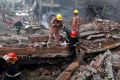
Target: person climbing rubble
[75,21]
[18,26]
[55,25]
[10,67]
[73,39]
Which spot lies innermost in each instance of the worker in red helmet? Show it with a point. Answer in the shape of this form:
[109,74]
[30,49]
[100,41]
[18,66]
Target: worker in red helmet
[73,34]
[11,57]
[72,38]
[12,69]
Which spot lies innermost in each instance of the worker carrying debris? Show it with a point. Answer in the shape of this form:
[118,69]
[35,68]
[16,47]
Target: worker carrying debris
[76,21]
[18,26]
[55,25]
[73,40]
[10,67]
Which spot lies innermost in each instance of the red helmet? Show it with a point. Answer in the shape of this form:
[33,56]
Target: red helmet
[73,34]
[12,56]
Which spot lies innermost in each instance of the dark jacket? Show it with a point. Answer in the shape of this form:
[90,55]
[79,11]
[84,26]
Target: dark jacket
[12,71]
[72,41]
[18,25]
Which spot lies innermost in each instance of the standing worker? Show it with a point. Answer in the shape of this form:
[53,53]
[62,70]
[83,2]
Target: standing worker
[55,25]
[10,67]
[76,21]
[73,40]
[18,26]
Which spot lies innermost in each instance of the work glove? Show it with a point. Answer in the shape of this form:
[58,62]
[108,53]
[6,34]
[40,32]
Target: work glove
[6,58]
[64,44]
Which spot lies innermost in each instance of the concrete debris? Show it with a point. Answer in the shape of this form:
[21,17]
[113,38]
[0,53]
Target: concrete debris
[101,68]
[87,33]
[5,34]
[104,48]
[117,36]
[95,37]
[38,38]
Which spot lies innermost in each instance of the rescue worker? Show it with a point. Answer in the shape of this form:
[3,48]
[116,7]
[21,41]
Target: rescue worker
[73,40]
[76,21]
[18,26]
[12,69]
[55,25]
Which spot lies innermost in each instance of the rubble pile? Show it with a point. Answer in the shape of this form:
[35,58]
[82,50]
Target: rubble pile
[100,35]
[12,41]
[42,73]
[100,25]
[48,72]
[106,25]
[101,68]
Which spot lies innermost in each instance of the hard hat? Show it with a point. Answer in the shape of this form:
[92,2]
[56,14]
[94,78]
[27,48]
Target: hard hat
[76,11]
[13,56]
[59,17]
[73,34]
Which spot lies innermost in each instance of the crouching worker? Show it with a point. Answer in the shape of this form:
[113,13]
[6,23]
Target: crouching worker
[55,25]
[73,40]
[10,67]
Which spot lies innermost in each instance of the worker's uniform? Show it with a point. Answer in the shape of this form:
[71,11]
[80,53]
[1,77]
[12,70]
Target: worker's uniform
[73,42]
[55,26]
[75,23]
[18,26]
[11,71]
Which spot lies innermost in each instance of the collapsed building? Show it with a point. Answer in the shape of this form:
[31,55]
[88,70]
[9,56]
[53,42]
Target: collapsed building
[99,52]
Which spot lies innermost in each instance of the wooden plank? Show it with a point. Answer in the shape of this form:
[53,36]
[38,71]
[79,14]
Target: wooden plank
[66,75]
[38,38]
[43,52]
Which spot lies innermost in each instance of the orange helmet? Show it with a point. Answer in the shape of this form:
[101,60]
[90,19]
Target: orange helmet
[13,56]
[73,34]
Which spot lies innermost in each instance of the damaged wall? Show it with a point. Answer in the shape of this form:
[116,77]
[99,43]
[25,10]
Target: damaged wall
[110,8]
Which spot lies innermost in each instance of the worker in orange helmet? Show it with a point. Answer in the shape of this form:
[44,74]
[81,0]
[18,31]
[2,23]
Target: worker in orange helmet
[10,67]
[76,21]
[55,26]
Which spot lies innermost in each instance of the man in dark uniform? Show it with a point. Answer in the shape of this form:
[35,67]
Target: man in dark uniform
[73,40]
[18,26]
[10,67]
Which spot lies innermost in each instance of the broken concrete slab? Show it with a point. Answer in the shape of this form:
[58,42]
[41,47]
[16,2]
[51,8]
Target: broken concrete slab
[96,36]
[87,33]
[104,48]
